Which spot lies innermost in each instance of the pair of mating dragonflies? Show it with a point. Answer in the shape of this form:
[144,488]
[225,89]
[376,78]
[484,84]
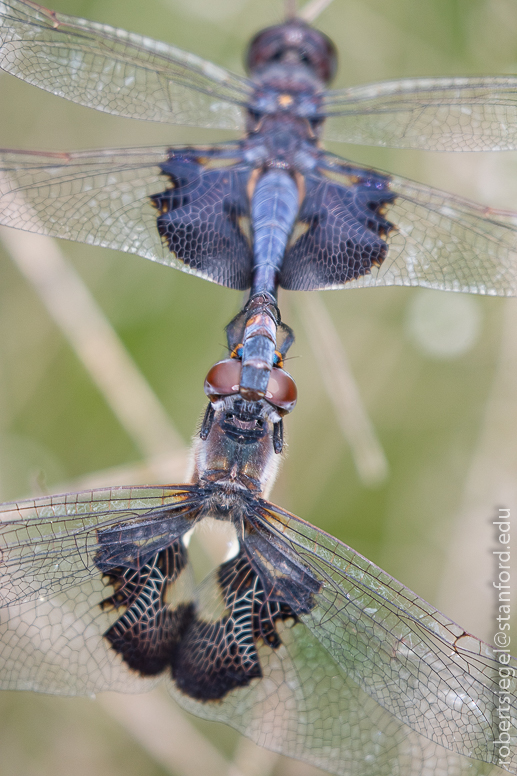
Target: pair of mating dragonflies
[295,640]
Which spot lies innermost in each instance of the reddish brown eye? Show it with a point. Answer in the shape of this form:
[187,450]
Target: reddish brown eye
[224,378]
[281,390]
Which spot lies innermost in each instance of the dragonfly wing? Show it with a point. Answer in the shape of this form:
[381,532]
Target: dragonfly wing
[116,199]
[57,619]
[285,679]
[297,641]
[359,227]
[434,114]
[426,673]
[116,71]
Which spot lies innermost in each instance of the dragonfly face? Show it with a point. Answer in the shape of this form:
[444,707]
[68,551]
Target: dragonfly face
[272,209]
[295,640]
[240,440]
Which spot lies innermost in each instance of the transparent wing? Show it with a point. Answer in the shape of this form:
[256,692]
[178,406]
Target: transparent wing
[445,242]
[365,228]
[434,114]
[116,71]
[392,650]
[100,198]
[372,680]
[51,585]
[104,198]
[306,706]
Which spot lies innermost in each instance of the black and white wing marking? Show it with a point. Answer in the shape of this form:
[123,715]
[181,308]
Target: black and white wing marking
[73,566]
[297,641]
[363,676]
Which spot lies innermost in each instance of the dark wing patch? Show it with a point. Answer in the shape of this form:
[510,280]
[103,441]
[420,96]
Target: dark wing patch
[333,661]
[341,232]
[216,657]
[106,198]
[53,552]
[207,658]
[376,229]
[204,216]
[148,632]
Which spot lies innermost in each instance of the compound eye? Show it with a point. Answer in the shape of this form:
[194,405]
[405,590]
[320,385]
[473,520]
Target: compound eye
[281,391]
[223,379]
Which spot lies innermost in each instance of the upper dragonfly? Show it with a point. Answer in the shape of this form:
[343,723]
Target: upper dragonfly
[295,639]
[272,209]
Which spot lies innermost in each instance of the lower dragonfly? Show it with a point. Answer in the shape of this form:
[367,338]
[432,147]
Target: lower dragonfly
[295,639]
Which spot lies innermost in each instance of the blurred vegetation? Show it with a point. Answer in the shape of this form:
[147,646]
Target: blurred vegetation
[427,410]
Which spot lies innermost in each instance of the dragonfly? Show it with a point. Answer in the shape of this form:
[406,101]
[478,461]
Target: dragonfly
[273,209]
[295,639]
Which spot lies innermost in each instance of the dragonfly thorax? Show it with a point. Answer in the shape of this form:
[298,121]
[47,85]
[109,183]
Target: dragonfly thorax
[238,450]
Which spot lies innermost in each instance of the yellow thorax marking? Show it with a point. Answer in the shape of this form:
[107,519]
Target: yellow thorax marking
[285,100]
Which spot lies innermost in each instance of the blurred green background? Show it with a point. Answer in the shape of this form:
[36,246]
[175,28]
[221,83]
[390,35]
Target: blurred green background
[435,370]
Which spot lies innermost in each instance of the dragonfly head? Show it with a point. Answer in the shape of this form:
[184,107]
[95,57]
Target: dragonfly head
[224,379]
[240,440]
[295,43]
